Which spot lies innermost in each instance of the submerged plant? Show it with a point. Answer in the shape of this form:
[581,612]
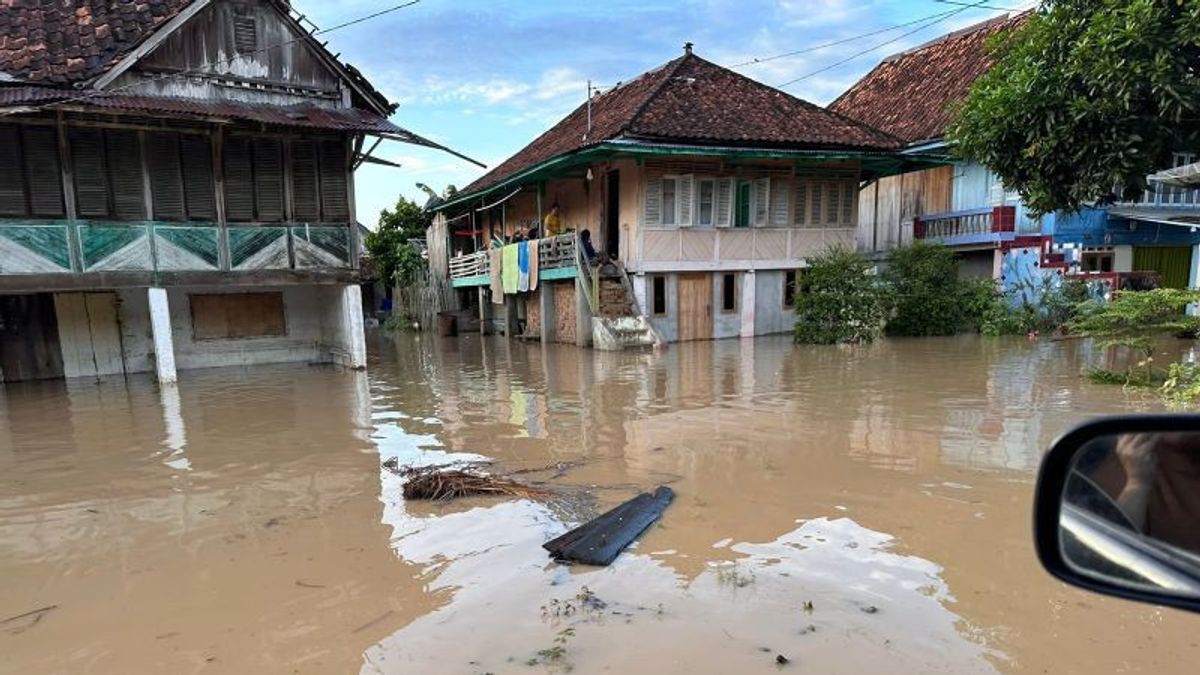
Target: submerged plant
[1131,321]
[839,300]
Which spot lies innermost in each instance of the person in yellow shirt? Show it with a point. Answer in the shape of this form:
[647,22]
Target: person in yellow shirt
[553,222]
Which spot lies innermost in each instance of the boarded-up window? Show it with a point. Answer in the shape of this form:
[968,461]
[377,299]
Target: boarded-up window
[221,316]
[30,173]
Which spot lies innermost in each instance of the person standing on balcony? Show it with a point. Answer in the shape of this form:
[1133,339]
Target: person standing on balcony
[552,224]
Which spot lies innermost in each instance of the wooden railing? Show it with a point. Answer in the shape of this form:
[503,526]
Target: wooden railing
[970,222]
[553,253]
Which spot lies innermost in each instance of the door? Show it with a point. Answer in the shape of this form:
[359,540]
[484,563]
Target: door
[29,348]
[1173,263]
[612,216]
[90,332]
[695,307]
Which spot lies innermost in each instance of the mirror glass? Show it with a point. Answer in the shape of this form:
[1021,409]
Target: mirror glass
[1131,512]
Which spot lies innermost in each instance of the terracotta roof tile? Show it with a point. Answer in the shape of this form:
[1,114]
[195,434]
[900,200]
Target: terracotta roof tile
[911,95]
[696,102]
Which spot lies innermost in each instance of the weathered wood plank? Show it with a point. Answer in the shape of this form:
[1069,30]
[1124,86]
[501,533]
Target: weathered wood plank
[601,540]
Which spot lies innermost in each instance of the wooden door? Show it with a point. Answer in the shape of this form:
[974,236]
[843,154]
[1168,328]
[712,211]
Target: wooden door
[695,307]
[29,348]
[91,334]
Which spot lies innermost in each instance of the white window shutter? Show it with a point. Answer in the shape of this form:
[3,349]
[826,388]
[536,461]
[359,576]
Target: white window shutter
[761,201]
[801,207]
[724,202]
[781,190]
[653,208]
[849,200]
[685,195]
[834,209]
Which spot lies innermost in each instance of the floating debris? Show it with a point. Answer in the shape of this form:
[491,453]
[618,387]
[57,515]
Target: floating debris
[782,660]
[601,540]
[442,483]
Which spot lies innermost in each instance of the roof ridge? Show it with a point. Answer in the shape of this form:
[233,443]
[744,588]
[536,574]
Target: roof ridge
[963,32]
[667,77]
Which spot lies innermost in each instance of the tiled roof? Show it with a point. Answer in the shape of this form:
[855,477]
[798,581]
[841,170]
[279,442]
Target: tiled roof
[66,41]
[911,94]
[692,101]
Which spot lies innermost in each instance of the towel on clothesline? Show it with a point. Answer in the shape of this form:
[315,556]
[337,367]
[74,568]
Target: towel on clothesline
[522,266]
[533,264]
[510,272]
[495,268]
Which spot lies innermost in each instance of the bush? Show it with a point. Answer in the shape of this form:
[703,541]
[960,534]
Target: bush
[1056,304]
[1183,384]
[840,300]
[929,298]
[1130,321]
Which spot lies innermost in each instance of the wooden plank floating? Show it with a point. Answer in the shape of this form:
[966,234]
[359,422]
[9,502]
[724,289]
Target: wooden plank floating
[600,540]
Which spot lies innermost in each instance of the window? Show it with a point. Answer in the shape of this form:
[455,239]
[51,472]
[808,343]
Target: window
[319,183]
[1097,261]
[253,179]
[669,186]
[728,292]
[658,295]
[217,316]
[779,196]
[705,207]
[245,33]
[824,203]
[181,176]
[30,173]
[741,217]
[789,289]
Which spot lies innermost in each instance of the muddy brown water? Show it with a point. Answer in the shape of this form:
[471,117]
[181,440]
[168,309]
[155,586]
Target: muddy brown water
[852,509]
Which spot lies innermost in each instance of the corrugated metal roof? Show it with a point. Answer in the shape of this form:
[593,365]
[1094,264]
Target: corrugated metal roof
[308,116]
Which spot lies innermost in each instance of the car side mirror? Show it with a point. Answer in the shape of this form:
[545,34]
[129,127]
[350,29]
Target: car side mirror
[1117,509]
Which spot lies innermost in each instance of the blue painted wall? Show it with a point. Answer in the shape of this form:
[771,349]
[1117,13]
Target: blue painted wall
[1094,227]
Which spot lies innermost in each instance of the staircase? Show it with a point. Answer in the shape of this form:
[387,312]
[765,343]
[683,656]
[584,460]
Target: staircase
[617,322]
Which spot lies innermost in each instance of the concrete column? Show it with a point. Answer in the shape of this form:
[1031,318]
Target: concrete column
[1194,278]
[546,311]
[485,311]
[160,327]
[583,316]
[639,293]
[510,315]
[353,347]
[748,303]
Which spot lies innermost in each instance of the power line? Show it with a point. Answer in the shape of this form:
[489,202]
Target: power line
[207,69]
[843,41]
[855,55]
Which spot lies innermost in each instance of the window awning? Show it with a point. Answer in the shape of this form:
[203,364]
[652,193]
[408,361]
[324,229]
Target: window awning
[1187,175]
[1155,214]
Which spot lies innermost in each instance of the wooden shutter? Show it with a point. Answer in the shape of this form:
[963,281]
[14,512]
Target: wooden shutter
[122,148]
[268,180]
[87,166]
[781,191]
[685,194]
[801,207]
[12,173]
[761,201]
[815,216]
[335,202]
[166,176]
[652,212]
[849,200]
[44,171]
[834,211]
[198,191]
[723,202]
[238,180]
[306,201]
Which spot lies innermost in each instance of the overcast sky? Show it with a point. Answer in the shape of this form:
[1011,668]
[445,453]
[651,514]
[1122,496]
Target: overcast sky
[486,77]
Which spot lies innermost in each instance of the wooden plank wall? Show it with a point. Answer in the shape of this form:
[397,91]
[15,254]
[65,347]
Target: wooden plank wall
[887,206]
[90,331]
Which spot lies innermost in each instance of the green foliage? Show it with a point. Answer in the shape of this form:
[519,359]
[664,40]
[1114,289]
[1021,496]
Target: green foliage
[1182,386]
[1132,319]
[840,300]
[1055,306]
[396,260]
[1084,96]
[928,297]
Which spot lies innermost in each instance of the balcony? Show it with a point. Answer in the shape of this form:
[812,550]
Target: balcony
[32,247]
[989,226]
[556,260]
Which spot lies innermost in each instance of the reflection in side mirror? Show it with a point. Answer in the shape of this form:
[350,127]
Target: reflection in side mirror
[1118,509]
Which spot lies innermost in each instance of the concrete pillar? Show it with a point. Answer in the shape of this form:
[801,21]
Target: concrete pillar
[485,311]
[546,311]
[160,327]
[1194,278]
[352,352]
[748,303]
[510,315]
[583,316]
[639,293]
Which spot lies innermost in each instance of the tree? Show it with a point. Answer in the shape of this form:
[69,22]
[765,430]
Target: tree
[1132,320]
[928,296]
[839,300]
[397,260]
[1085,99]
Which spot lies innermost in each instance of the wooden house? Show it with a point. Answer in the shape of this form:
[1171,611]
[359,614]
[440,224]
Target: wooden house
[708,190]
[177,188]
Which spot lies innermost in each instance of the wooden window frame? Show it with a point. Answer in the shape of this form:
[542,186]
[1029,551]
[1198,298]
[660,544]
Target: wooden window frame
[700,185]
[662,205]
[27,174]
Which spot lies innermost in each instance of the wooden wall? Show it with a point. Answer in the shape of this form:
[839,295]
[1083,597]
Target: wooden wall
[886,207]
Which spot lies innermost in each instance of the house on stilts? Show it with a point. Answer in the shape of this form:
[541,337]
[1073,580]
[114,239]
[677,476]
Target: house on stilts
[177,188]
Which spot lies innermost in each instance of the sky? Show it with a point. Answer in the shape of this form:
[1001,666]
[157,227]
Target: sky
[487,77]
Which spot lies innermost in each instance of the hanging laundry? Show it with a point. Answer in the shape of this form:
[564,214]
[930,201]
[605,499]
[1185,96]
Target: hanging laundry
[522,266]
[495,268]
[509,272]
[533,264]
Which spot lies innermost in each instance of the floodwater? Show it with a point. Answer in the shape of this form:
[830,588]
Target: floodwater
[851,509]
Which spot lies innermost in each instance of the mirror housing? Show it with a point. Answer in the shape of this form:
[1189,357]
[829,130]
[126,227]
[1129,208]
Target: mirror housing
[1112,552]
